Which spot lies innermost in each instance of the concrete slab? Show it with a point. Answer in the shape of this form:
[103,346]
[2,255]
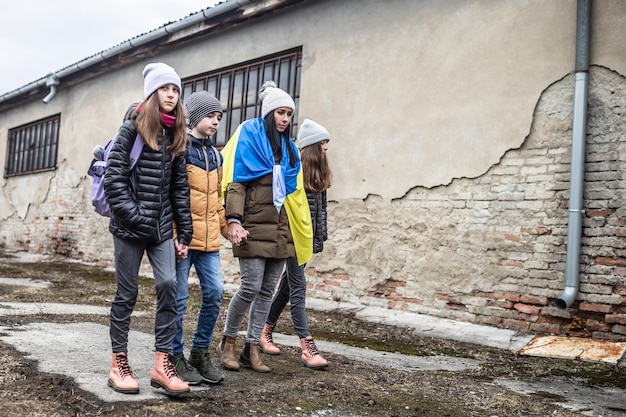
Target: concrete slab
[83,351]
[575,348]
[22,309]
[25,282]
[430,326]
[577,395]
[388,359]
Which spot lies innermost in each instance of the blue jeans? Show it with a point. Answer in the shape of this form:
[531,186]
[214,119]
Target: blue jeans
[258,281]
[208,268]
[292,288]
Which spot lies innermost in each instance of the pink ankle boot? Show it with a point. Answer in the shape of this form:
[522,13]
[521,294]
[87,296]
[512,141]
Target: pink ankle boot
[267,342]
[311,357]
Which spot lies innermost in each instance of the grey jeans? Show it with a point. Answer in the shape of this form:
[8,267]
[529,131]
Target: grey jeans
[128,256]
[258,281]
[292,290]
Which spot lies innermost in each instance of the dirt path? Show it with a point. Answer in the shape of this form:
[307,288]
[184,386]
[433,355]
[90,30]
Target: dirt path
[51,358]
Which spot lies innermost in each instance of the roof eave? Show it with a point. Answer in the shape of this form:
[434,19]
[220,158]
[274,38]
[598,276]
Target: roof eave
[205,21]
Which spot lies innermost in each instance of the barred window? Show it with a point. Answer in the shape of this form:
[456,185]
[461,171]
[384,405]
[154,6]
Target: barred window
[33,147]
[237,88]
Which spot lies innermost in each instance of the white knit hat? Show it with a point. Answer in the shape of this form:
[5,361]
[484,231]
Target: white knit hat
[273,97]
[310,133]
[199,105]
[156,75]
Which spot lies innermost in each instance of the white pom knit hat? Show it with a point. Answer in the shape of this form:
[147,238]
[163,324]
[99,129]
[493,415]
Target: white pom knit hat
[310,133]
[273,97]
[156,75]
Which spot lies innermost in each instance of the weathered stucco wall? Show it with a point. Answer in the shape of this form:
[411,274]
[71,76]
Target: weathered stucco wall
[451,127]
[437,92]
[492,249]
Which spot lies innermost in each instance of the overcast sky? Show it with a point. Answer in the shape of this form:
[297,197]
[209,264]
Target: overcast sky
[38,37]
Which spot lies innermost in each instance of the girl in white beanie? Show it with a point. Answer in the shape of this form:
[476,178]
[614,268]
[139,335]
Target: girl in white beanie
[145,202]
[313,143]
[261,169]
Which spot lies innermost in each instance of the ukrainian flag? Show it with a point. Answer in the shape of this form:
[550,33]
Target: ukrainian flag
[248,156]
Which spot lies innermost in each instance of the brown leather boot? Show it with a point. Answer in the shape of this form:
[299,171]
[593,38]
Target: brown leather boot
[267,342]
[228,358]
[311,357]
[121,376]
[251,358]
[164,376]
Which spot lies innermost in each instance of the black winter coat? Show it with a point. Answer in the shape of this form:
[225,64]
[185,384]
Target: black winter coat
[317,204]
[147,200]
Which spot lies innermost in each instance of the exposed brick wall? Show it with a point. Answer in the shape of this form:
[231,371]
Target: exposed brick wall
[492,249]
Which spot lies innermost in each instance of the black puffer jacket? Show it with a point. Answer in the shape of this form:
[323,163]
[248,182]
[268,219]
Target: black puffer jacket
[317,204]
[147,200]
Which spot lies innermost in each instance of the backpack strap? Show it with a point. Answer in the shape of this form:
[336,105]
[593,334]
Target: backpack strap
[217,156]
[135,151]
[219,159]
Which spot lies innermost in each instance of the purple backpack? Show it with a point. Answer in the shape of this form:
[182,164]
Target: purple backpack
[97,168]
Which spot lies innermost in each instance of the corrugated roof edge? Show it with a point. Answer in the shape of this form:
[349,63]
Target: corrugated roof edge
[164,30]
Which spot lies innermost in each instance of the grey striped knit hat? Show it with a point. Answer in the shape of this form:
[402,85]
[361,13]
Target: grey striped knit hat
[199,105]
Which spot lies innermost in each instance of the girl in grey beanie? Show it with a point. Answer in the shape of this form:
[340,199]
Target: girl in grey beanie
[312,141]
[145,203]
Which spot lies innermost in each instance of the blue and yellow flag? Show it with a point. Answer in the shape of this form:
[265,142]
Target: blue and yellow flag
[248,156]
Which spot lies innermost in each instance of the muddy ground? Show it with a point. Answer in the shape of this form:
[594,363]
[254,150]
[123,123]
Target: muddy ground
[347,388]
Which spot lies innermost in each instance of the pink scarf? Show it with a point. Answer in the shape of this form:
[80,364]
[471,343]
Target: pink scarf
[168,120]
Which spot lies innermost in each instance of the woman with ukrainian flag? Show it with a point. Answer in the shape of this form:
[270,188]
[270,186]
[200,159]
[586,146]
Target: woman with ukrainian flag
[268,218]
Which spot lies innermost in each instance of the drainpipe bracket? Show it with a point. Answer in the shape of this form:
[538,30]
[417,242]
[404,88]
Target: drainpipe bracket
[52,80]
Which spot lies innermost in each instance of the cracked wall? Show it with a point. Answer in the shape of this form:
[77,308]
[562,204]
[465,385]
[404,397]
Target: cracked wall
[492,249]
[451,132]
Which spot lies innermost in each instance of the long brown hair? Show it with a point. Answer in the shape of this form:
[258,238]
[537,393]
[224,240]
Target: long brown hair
[149,122]
[315,169]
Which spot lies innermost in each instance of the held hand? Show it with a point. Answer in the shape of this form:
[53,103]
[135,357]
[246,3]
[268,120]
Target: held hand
[236,233]
[243,234]
[184,250]
[181,250]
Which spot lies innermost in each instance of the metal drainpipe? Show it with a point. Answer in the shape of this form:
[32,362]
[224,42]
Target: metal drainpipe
[52,81]
[577,174]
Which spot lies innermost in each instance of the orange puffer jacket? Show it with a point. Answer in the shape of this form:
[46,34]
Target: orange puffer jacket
[204,172]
